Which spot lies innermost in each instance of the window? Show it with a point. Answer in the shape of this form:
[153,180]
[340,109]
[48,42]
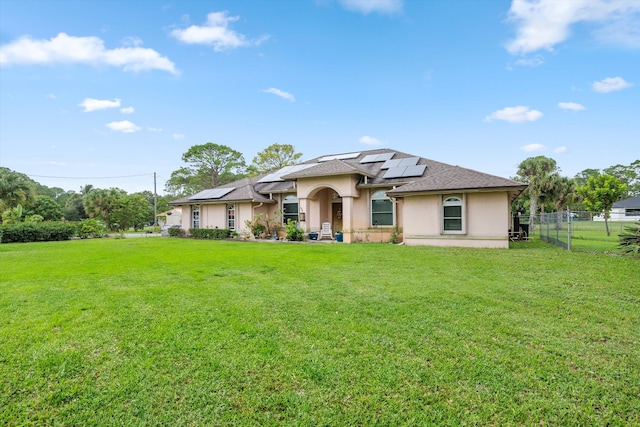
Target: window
[289,209]
[452,215]
[632,212]
[231,217]
[381,209]
[195,216]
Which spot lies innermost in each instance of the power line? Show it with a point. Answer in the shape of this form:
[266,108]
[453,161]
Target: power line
[89,177]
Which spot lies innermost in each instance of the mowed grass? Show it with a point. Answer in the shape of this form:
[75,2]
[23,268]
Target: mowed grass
[181,332]
[587,236]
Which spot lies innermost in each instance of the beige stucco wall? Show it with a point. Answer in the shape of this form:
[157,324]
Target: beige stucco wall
[486,217]
[215,215]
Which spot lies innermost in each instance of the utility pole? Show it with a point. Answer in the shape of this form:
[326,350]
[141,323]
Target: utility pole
[155,202]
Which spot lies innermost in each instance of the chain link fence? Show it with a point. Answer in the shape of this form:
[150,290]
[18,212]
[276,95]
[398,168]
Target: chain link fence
[574,230]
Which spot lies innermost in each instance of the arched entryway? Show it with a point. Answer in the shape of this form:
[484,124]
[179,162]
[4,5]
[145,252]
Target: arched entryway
[323,204]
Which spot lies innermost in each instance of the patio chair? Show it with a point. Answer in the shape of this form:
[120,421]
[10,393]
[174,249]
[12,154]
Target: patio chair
[325,231]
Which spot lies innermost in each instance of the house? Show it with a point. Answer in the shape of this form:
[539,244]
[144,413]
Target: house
[170,217]
[624,210]
[368,196]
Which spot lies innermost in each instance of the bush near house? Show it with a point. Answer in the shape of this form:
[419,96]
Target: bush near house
[176,232]
[91,228]
[36,232]
[210,233]
[294,232]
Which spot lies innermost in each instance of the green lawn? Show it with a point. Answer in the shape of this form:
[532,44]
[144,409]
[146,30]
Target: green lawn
[587,236]
[181,332]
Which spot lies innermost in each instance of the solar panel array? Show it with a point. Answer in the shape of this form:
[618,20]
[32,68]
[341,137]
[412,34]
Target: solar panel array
[405,171]
[396,163]
[374,158]
[339,157]
[214,193]
[277,175]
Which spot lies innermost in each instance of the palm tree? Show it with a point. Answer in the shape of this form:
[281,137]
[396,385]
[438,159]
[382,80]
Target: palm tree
[15,189]
[537,172]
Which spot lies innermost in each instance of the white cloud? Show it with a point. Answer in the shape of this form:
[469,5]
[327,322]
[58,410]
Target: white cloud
[282,94]
[517,114]
[533,147]
[216,32]
[571,106]
[52,96]
[611,84]
[150,129]
[178,136]
[127,110]
[90,104]
[369,140]
[542,24]
[533,62]
[67,49]
[368,6]
[124,126]
[561,150]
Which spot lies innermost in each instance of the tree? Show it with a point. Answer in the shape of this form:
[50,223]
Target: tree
[537,172]
[629,175]
[582,177]
[274,157]
[218,163]
[130,211]
[15,189]
[47,208]
[600,193]
[99,204]
[562,191]
[184,182]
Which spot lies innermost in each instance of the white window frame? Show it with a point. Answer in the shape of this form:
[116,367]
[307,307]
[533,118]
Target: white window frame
[290,201]
[447,200]
[381,195]
[195,216]
[231,220]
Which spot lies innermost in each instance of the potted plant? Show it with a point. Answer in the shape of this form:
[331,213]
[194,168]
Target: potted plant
[338,236]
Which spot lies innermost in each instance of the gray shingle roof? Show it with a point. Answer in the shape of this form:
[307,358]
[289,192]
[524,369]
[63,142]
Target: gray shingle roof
[456,178]
[633,202]
[329,168]
[243,190]
[437,177]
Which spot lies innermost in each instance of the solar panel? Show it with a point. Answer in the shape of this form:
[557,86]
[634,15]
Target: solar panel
[391,164]
[404,171]
[409,161]
[373,158]
[395,172]
[339,157]
[416,170]
[213,193]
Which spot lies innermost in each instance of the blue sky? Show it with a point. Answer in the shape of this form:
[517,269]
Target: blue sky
[93,90]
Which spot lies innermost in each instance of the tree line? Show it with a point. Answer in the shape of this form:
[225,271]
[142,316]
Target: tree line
[209,165]
[592,190]
[24,200]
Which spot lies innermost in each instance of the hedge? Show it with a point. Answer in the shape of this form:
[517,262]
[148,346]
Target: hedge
[36,232]
[176,232]
[210,233]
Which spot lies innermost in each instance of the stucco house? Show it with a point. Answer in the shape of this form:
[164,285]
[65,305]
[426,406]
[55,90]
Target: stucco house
[367,196]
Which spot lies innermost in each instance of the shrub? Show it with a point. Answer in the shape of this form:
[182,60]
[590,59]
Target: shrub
[294,232]
[630,239]
[36,232]
[210,233]
[88,228]
[176,232]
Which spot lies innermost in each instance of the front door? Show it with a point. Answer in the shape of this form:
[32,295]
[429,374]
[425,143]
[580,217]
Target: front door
[336,209]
